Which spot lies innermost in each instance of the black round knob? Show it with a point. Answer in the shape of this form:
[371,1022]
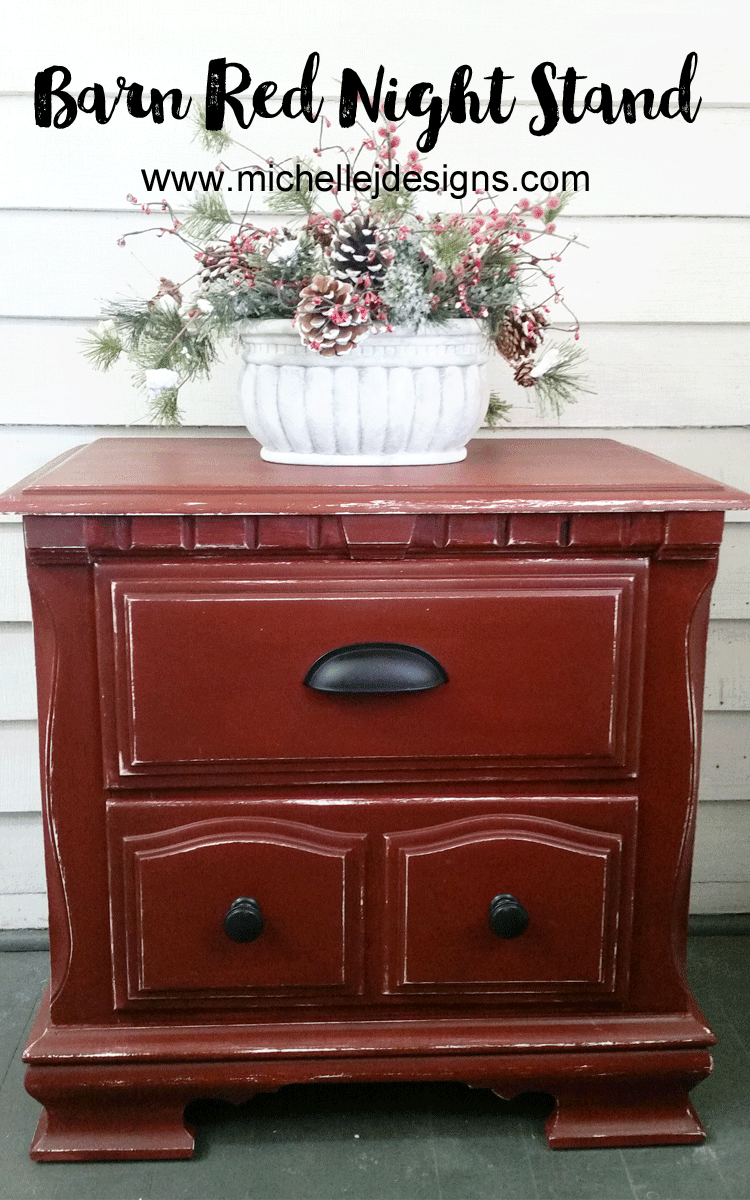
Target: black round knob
[508,917]
[244,920]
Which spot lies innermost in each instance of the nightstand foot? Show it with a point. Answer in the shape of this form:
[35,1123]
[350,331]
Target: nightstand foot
[637,1099]
[123,1110]
[625,1118]
[90,1130]
[101,1124]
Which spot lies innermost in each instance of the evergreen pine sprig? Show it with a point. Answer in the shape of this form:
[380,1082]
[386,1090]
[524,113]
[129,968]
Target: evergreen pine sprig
[207,219]
[300,202]
[394,207]
[447,244]
[498,410]
[217,140]
[562,382]
[164,409]
[102,347]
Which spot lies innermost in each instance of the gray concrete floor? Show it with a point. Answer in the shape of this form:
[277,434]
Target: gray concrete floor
[400,1142]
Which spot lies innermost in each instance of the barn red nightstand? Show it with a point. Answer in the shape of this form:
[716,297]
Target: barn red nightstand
[375,774]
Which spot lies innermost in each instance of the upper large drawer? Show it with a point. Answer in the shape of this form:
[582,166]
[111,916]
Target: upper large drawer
[203,667]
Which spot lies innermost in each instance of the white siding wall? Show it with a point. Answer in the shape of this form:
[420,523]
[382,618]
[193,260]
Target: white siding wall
[661,290]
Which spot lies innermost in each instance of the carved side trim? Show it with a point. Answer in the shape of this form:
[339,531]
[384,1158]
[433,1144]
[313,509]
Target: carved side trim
[695,667]
[47,648]
[692,535]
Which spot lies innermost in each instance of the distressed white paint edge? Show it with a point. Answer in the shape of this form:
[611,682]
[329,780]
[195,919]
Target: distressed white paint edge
[725,769]
[721,454]
[27,911]
[730,598]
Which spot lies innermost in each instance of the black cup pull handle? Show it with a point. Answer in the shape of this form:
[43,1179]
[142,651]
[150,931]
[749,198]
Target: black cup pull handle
[371,668]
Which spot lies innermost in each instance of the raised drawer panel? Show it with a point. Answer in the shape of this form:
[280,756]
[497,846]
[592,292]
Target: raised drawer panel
[203,667]
[574,883]
[171,889]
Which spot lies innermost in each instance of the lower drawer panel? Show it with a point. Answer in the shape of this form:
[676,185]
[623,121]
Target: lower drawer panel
[171,890]
[573,885]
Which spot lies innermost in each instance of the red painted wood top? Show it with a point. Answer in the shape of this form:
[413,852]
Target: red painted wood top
[179,475]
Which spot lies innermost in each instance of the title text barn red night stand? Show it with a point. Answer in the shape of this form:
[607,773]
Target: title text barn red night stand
[375,774]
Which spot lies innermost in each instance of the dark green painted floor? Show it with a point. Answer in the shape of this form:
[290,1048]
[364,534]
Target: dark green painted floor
[400,1142]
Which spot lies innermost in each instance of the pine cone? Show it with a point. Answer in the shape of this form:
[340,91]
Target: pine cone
[167,288]
[331,316]
[520,333]
[320,229]
[355,250]
[522,374]
[222,262]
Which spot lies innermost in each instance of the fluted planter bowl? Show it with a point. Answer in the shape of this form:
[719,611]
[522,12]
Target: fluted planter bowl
[398,398]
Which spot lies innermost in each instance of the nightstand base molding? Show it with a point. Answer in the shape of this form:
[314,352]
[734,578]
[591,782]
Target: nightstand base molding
[134,1109]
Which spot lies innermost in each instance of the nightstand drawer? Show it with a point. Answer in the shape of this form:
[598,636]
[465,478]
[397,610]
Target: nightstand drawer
[515,905]
[204,667]
[370,903]
[213,911]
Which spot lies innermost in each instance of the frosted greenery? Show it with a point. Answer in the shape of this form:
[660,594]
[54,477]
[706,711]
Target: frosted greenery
[404,290]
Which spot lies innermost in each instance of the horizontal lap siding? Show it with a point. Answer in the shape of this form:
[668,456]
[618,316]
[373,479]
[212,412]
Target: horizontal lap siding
[17,681]
[659,285]
[14,592]
[639,375]
[19,767]
[725,756]
[23,910]
[628,269]
[722,852]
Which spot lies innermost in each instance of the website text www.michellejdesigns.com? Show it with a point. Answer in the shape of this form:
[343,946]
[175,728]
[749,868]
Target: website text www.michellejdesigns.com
[344,178]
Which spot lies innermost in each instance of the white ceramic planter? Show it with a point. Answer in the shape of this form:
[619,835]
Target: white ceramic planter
[397,398]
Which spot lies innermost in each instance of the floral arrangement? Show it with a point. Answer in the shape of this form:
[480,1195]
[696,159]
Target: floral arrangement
[345,274]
